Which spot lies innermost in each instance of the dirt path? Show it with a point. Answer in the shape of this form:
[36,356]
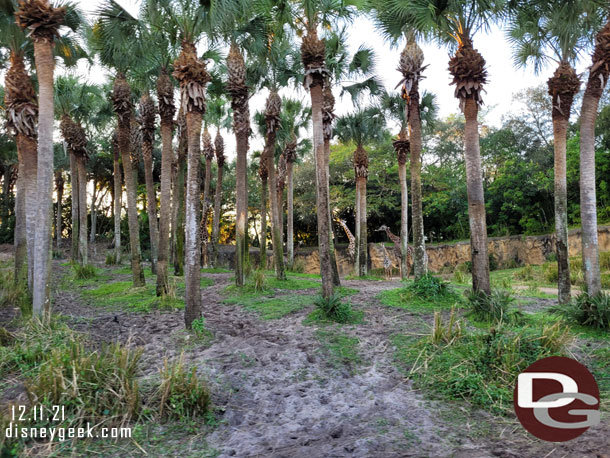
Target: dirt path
[283,397]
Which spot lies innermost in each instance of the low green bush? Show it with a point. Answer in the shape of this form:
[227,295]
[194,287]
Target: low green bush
[333,308]
[495,306]
[84,272]
[587,310]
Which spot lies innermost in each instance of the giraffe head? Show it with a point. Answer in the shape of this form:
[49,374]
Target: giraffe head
[382,228]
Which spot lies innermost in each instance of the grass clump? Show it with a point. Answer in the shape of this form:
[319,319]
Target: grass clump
[14,294]
[425,294]
[525,274]
[124,296]
[298,266]
[98,386]
[550,272]
[84,272]
[479,367]
[586,310]
[604,260]
[333,308]
[111,259]
[492,307]
[182,395]
[448,333]
[258,281]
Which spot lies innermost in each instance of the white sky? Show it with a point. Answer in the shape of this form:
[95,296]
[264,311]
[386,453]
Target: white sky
[504,79]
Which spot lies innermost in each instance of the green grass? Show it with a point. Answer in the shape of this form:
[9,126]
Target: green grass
[404,298]
[271,308]
[339,350]
[122,295]
[216,270]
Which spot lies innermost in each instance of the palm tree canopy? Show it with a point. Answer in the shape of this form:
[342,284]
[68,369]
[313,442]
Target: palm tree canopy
[361,127]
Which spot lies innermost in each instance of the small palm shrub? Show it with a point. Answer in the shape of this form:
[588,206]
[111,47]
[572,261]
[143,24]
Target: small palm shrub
[495,306]
[182,395]
[333,308]
[588,310]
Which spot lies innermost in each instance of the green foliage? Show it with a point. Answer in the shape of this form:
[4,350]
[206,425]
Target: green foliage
[550,272]
[333,308]
[85,272]
[481,368]
[198,326]
[446,334]
[257,282]
[123,295]
[182,394]
[423,295]
[604,260]
[492,307]
[298,266]
[593,311]
[269,307]
[525,274]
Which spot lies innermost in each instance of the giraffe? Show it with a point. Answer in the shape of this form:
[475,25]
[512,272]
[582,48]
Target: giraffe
[387,262]
[397,251]
[351,248]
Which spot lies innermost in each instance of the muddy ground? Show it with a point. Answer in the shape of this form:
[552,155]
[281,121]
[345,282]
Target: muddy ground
[278,395]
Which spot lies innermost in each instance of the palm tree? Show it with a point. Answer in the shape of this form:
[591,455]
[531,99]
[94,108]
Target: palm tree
[112,40]
[263,174]
[191,73]
[361,127]
[118,196]
[178,194]
[536,30]
[219,148]
[43,21]
[208,154]
[599,73]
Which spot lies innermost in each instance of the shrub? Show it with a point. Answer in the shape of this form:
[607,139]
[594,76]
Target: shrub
[333,309]
[494,306]
[459,276]
[182,395]
[588,310]
[428,286]
[550,272]
[198,326]
[84,272]
[526,273]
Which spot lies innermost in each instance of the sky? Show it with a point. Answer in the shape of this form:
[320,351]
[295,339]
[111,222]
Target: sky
[503,82]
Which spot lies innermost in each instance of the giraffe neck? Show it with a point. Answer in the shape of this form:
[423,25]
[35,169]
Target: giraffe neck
[347,231]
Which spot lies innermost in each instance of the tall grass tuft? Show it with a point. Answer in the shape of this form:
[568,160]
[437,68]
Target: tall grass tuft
[587,310]
[495,306]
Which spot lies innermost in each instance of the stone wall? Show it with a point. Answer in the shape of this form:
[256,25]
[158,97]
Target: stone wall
[506,251]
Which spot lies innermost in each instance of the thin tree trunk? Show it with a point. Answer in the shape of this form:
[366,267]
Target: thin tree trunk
[179,200]
[30,163]
[74,192]
[82,213]
[94,198]
[216,220]
[263,234]
[165,206]
[59,184]
[204,215]
[323,202]
[21,251]
[276,233]
[417,215]
[132,209]
[357,209]
[192,258]
[404,218]
[43,53]
[151,201]
[118,204]
[476,199]
[290,212]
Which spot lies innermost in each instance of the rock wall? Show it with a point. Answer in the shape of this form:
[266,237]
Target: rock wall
[507,251]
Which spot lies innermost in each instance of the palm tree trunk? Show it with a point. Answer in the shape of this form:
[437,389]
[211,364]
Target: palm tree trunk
[358,209]
[323,201]
[598,78]
[333,257]
[21,251]
[404,218]
[82,210]
[217,210]
[30,163]
[192,265]
[417,216]
[43,53]
[476,199]
[59,186]
[151,201]
[94,198]
[179,231]
[206,197]
[276,231]
[132,209]
[118,198]
[74,192]
[290,212]
[165,206]
[263,234]
[241,206]
[363,259]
